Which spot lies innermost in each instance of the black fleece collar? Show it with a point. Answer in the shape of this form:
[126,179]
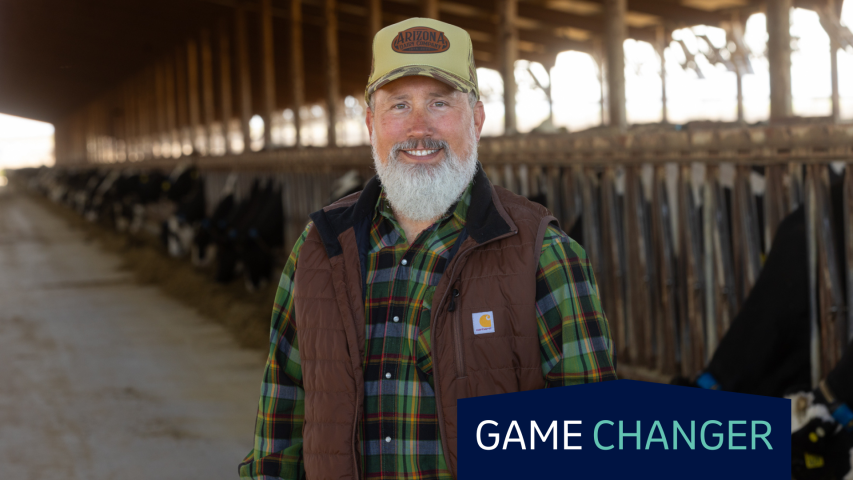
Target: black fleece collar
[484,222]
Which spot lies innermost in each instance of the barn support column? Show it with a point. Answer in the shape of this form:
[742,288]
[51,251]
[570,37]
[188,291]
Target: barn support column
[598,57]
[268,65]
[430,8]
[207,90]
[616,32]
[141,96]
[779,56]
[225,83]
[297,66]
[332,71]
[739,59]
[148,89]
[244,77]
[548,64]
[158,108]
[834,46]
[375,14]
[508,11]
[183,132]
[739,76]
[171,109]
[194,104]
[662,42]
[127,122]
[132,118]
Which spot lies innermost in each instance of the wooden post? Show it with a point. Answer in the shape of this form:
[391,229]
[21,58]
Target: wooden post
[616,32]
[779,56]
[833,56]
[709,268]
[739,76]
[192,92]
[160,104]
[375,13]
[225,82]
[142,112]
[297,66]
[181,98]
[737,29]
[268,65]
[666,285]
[612,269]
[774,203]
[508,11]
[245,77]
[430,8]
[332,71]
[131,133]
[598,56]
[171,106]
[847,205]
[149,110]
[691,263]
[207,88]
[662,41]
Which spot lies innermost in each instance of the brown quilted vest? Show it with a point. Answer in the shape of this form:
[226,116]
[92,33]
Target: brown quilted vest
[494,270]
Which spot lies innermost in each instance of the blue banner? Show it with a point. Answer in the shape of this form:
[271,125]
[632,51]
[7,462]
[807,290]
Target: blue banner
[624,429]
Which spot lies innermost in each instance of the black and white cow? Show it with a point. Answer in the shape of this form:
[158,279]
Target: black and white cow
[766,352]
[185,189]
[213,229]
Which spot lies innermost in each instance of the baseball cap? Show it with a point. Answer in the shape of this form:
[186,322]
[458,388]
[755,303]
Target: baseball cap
[423,46]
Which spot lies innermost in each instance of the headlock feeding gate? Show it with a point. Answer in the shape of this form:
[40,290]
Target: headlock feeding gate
[676,223]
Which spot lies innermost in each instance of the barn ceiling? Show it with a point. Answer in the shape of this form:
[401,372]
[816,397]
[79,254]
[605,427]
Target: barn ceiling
[57,55]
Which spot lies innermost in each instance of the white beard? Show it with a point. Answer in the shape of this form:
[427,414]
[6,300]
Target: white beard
[425,192]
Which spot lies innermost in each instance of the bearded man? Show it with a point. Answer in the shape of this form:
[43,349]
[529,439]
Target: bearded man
[428,286]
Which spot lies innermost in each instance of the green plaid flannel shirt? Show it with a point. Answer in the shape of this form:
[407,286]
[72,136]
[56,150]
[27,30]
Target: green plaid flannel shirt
[575,346]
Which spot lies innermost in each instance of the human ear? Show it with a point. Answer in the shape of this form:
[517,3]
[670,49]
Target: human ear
[368,120]
[479,117]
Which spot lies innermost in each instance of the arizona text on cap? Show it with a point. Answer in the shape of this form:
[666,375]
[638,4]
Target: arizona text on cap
[423,46]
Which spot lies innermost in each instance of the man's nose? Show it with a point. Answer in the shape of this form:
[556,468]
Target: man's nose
[420,126]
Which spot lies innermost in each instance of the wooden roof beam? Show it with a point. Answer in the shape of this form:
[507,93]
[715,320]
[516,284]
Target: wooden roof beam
[592,23]
[551,41]
[676,13]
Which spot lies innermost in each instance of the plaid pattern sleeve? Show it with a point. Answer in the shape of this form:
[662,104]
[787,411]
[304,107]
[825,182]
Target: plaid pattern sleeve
[277,452]
[575,340]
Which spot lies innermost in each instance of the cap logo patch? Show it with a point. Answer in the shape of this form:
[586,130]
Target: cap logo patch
[420,40]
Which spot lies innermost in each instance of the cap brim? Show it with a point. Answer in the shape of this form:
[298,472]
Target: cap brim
[454,81]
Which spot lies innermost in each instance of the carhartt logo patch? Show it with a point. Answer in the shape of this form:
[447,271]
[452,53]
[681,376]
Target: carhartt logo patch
[484,322]
[420,40]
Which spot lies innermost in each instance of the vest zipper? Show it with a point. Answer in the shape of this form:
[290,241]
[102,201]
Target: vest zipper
[438,407]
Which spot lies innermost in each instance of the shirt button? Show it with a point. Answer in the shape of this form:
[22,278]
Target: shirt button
[388,375]
[404,262]
[396,319]
[388,439]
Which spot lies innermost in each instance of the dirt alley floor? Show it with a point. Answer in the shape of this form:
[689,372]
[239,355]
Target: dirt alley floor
[105,373]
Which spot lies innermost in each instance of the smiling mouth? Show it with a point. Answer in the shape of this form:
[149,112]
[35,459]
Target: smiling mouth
[422,153]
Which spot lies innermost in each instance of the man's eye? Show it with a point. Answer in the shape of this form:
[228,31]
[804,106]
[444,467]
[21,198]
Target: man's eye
[400,106]
[440,104]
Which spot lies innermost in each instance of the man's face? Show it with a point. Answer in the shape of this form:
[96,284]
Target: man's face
[415,108]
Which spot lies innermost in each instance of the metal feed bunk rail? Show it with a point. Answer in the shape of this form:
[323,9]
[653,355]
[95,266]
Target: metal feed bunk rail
[670,221]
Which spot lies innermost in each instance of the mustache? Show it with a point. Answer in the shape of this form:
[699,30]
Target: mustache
[412,143]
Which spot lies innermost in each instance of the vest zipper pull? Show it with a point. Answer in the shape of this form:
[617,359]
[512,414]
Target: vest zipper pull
[452,305]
